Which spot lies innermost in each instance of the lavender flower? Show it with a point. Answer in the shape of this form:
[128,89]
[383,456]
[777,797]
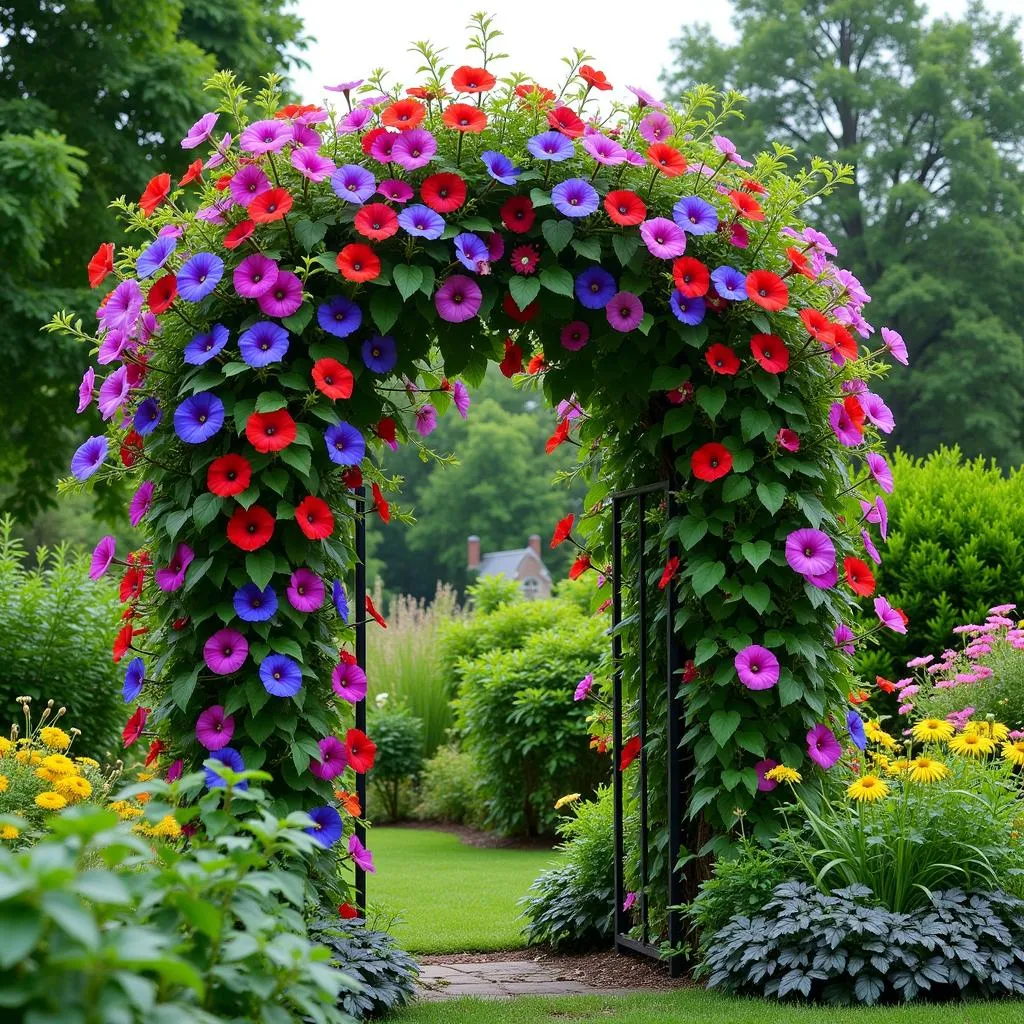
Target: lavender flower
[353,184]
[552,146]
[499,167]
[142,499]
[472,252]
[265,136]
[574,197]
[421,221]
[664,239]
[200,131]
[604,150]
[247,183]
[458,299]
[154,256]
[696,216]
[199,276]
[203,347]
[414,149]
[263,343]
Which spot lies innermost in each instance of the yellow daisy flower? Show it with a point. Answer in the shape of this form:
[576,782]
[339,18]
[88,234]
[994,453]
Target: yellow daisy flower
[6,746]
[54,738]
[782,773]
[59,764]
[993,730]
[167,828]
[882,761]
[74,787]
[927,769]
[8,832]
[867,788]
[569,798]
[898,767]
[145,776]
[1013,752]
[876,734]
[4,783]
[87,762]
[125,810]
[972,744]
[50,801]
[932,730]
[28,757]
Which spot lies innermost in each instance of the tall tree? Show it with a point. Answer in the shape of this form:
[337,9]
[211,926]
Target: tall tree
[94,98]
[931,115]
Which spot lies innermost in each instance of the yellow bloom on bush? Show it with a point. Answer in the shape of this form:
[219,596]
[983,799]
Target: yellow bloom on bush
[74,787]
[87,762]
[54,738]
[6,746]
[782,773]
[125,810]
[898,767]
[1013,752]
[972,744]
[59,764]
[932,730]
[876,734]
[50,801]
[166,828]
[4,783]
[47,775]
[867,788]
[993,730]
[569,798]
[927,769]
[8,832]
[28,757]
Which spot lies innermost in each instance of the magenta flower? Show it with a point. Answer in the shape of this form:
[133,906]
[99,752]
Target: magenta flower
[265,136]
[140,503]
[842,636]
[825,580]
[810,552]
[663,237]
[883,516]
[305,138]
[583,687]
[122,309]
[349,681]
[656,127]
[644,98]
[361,855]
[895,344]
[305,590]
[822,747]
[102,556]
[870,548]
[200,131]
[460,398]
[889,616]
[764,784]
[220,153]
[214,729]
[248,183]
[728,149]
[283,297]
[113,392]
[414,149]
[426,420]
[624,311]
[310,164]
[355,121]
[174,772]
[846,431]
[333,759]
[85,390]
[574,335]
[458,299]
[604,150]
[924,659]
[173,576]
[627,903]
[757,667]
[255,276]
[877,412]
[880,471]
[382,147]
[225,652]
[396,190]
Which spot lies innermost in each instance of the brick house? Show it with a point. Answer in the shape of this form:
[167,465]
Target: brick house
[522,564]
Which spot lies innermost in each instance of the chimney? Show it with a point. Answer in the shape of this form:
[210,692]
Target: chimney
[534,543]
[473,552]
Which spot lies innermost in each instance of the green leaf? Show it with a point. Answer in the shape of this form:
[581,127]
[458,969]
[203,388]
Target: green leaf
[524,290]
[707,648]
[22,928]
[691,530]
[299,320]
[271,401]
[175,521]
[260,566]
[205,509]
[408,278]
[710,399]
[196,571]
[588,248]
[790,690]
[706,577]
[309,233]
[677,420]
[772,495]
[183,687]
[67,912]
[297,458]
[557,233]
[625,246]
[667,378]
[476,224]
[751,739]
[757,595]
[557,280]
[385,307]
[723,724]
[735,488]
[539,198]
[755,421]
[756,552]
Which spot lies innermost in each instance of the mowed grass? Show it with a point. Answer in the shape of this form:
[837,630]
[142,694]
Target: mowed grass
[451,897]
[693,1006]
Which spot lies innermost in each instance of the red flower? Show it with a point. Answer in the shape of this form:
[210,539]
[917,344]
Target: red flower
[250,528]
[123,640]
[535,94]
[625,207]
[746,205]
[467,79]
[768,290]
[131,447]
[843,340]
[595,79]
[427,92]
[754,186]
[358,262]
[238,234]
[680,395]
[799,263]
[158,189]
[524,259]
[332,379]
[346,912]
[386,429]
[770,351]
[690,671]
[374,614]
[903,615]
[352,477]
[564,120]
[270,431]
[513,361]
[179,624]
[383,508]
[851,403]
[561,434]
[517,214]
[376,221]
[629,753]
[668,160]
[361,751]
[669,572]
[464,118]
[101,264]
[788,439]
[162,294]
[859,577]
[536,363]
[861,697]
[579,567]
[132,582]
[228,475]
[222,182]
[817,324]
[134,726]
[444,192]
[884,685]
[194,172]
[711,461]
[270,205]
[722,360]
[691,277]
[403,115]
[156,748]
[314,519]
[563,528]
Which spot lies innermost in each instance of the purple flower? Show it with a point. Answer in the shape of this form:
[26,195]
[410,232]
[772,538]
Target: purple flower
[458,299]
[263,343]
[140,503]
[172,576]
[472,252]
[552,146]
[764,784]
[843,427]
[629,901]
[855,729]
[355,121]
[198,418]
[280,675]
[199,276]
[382,147]
[664,239]
[810,552]
[728,150]
[310,164]
[380,353]
[421,221]
[339,316]
[200,131]
[696,216]
[583,687]
[426,420]
[332,761]
[574,197]
[460,398]
[687,311]
[152,258]
[344,87]
[349,681]
[305,590]
[220,153]
[414,149]
[214,729]
[877,412]
[895,344]
[574,335]
[85,390]
[89,457]
[345,445]
[842,636]
[353,184]
[230,758]
[879,469]
[595,288]
[624,311]
[134,677]
[825,580]
[255,276]
[102,556]
[499,167]
[283,297]
[656,127]
[113,392]
[604,150]
[122,309]
[870,548]
[214,213]
[822,747]
[254,605]
[396,190]
[265,136]
[644,98]
[757,667]
[248,183]
[888,616]
[326,828]
[203,347]
[147,416]
[225,652]
[361,855]
[340,599]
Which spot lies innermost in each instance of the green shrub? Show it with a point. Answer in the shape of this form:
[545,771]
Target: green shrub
[398,734]
[955,548]
[491,592]
[571,906]
[57,628]
[450,789]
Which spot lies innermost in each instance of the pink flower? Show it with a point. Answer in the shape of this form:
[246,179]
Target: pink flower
[283,297]
[225,652]
[889,616]
[426,420]
[172,577]
[141,501]
[333,759]
[757,667]
[788,439]
[765,785]
[627,903]
[310,164]
[349,681]
[305,590]
[846,431]
[102,556]
[214,729]
[842,636]
[822,747]
[583,687]
[361,855]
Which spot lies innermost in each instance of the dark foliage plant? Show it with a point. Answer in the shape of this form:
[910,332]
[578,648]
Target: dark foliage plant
[842,948]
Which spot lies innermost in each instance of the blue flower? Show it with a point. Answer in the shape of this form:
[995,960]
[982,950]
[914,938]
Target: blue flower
[345,445]
[340,600]
[729,283]
[203,347]
[421,221]
[255,605]
[595,288]
[855,727]
[230,758]
[198,418]
[353,183]
[199,276]
[154,257]
[552,146]
[264,343]
[147,416]
[689,311]
[89,457]
[339,316]
[133,678]
[281,675]
[695,216]
[471,251]
[499,167]
[380,353]
[327,827]
[574,197]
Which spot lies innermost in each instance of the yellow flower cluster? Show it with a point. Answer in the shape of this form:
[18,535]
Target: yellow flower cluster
[783,773]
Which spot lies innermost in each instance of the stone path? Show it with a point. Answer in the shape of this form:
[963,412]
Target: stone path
[500,979]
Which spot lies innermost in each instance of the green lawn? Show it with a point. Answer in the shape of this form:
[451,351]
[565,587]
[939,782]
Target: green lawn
[692,1007]
[451,897]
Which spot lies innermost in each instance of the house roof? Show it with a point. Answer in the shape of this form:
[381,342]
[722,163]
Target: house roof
[496,563]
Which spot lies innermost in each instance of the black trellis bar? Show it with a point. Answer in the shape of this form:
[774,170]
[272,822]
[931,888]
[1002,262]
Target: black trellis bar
[358,611]
[622,501]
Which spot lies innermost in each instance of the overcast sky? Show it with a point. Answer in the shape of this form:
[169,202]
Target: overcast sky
[354,37]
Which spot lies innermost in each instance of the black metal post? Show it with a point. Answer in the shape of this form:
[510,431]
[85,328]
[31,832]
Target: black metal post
[621,920]
[359,613]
